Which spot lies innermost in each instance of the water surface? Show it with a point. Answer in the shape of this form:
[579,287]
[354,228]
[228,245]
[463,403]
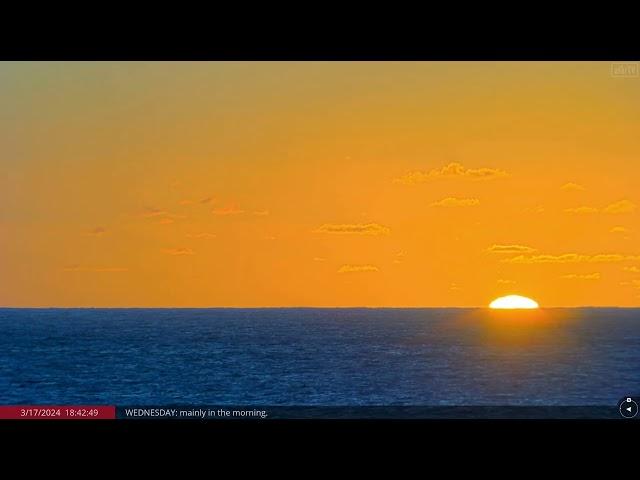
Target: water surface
[310,356]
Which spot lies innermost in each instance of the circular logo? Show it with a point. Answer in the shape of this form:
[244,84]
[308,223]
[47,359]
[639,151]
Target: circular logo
[628,408]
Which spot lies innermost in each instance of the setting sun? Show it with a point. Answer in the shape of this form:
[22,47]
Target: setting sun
[512,302]
[258,239]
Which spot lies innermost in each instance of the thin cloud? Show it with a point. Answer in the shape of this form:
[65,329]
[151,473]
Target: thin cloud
[202,235]
[96,232]
[151,212]
[79,268]
[572,187]
[357,268]
[261,213]
[571,258]
[178,251]
[632,283]
[510,249]
[450,202]
[619,230]
[164,216]
[582,276]
[202,201]
[632,269]
[354,229]
[621,206]
[318,259]
[581,210]
[503,281]
[230,210]
[452,170]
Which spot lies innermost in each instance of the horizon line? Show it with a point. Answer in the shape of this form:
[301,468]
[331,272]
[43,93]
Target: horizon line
[49,307]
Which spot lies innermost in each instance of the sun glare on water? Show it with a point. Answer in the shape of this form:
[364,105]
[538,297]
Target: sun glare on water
[512,302]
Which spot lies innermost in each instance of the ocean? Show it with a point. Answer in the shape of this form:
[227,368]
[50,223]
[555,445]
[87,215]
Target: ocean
[319,357]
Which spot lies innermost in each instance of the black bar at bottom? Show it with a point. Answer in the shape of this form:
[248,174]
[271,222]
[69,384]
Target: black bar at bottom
[252,412]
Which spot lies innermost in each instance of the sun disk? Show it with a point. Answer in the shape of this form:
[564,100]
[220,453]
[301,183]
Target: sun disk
[513,301]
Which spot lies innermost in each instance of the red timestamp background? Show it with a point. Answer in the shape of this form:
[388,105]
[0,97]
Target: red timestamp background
[57,412]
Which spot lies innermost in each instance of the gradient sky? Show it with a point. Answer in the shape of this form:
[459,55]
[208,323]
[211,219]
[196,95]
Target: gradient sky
[318,184]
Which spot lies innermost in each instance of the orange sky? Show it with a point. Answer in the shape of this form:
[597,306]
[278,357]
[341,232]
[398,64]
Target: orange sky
[318,184]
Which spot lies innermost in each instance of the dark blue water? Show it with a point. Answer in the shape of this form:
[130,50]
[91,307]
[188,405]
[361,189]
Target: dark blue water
[319,356]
